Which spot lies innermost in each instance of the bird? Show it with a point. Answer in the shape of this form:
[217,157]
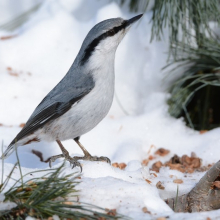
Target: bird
[82,98]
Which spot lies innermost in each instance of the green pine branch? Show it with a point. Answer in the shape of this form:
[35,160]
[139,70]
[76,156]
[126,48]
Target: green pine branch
[194,95]
[48,195]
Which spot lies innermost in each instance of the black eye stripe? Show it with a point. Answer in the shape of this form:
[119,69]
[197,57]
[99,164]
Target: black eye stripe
[111,32]
[115,30]
[90,48]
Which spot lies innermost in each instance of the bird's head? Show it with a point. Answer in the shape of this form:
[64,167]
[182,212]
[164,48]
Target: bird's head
[104,37]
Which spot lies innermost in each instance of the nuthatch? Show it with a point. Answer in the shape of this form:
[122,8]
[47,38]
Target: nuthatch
[82,98]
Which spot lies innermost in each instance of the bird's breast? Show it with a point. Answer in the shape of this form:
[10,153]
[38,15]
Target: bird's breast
[101,67]
[101,97]
[89,111]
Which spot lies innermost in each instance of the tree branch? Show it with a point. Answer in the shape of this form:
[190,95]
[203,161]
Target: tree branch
[203,197]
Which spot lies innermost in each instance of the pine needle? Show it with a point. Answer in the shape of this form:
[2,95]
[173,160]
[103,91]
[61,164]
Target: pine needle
[177,194]
[48,195]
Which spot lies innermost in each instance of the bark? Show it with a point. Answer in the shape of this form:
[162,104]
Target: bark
[205,196]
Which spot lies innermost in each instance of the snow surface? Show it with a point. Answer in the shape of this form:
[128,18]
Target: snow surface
[40,55]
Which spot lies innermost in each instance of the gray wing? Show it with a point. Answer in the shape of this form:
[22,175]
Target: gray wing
[56,103]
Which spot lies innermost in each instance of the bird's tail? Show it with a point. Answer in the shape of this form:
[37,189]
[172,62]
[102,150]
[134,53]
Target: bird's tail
[8,151]
[16,143]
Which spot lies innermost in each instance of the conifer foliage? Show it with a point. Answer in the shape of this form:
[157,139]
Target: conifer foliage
[194,52]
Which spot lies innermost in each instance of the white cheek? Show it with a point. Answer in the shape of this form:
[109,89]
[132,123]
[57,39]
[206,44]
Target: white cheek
[104,53]
[110,43]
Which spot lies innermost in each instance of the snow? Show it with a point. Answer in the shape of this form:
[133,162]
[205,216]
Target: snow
[42,52]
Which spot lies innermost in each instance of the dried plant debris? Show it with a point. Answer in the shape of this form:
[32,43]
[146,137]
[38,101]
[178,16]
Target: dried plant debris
[156,166]
[184,164]
[148,181]
[216,185]
[111,212]
[162,152]
[11,72]
[146,161]
[119,165]
[15,73]
[159,185]
[203,131]
[7,37]
[145,210]
[178,181]
[3,125]
[154,174]
[150,149]
[22,125]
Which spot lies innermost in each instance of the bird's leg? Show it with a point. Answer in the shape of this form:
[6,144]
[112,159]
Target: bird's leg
[65,154]
[72,161]
[88,156]
[86,153]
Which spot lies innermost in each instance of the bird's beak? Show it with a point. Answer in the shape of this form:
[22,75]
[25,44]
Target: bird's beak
[133,20]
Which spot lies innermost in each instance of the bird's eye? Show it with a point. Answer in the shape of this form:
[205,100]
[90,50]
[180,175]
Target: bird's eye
[111,32]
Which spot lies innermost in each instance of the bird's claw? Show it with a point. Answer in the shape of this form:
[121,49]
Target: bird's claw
[93,158]
[50,163]
[52,159]
[105,159]
[74,160]
[75,163]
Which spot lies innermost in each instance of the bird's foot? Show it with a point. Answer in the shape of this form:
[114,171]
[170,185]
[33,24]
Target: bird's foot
[88,156]
[93,158]
[52,159]
[72,160]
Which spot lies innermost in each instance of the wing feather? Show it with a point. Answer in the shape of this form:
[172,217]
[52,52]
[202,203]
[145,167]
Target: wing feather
[50,113]
[70,90]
